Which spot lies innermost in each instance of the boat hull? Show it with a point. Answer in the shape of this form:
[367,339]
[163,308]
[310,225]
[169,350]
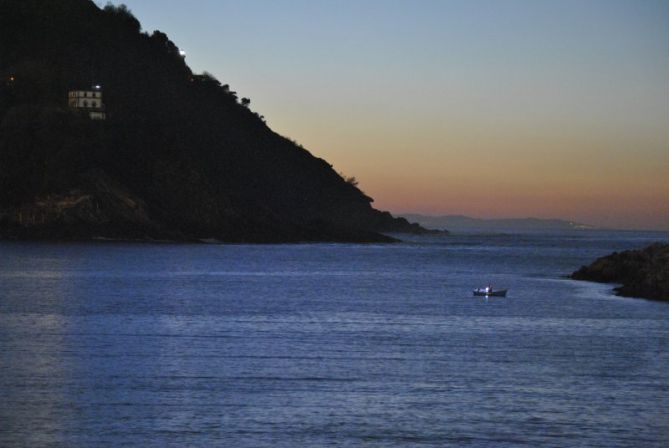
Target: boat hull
[494,293]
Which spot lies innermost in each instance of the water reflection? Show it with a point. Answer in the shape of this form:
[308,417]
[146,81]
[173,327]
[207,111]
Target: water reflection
[35,377]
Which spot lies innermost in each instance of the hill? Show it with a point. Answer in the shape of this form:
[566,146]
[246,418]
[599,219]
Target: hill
[459,223]
[179,155]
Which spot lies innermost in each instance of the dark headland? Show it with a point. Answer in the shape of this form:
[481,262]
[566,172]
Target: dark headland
[178,155]
[642,273]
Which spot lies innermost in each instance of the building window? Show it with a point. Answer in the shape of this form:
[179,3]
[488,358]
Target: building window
[85,103]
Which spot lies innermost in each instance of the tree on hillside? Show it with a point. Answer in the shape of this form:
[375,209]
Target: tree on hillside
[123,14]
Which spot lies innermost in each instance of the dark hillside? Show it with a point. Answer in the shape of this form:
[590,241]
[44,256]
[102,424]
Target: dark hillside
[179,156]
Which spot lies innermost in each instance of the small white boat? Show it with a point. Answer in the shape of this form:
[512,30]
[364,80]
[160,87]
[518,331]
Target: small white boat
[490,292]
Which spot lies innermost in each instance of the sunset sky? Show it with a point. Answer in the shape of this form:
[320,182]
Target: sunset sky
[551,109]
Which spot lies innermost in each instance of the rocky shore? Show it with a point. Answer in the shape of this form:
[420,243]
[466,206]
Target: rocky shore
[642,273]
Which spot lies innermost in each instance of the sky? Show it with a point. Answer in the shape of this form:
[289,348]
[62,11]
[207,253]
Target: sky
[492,109]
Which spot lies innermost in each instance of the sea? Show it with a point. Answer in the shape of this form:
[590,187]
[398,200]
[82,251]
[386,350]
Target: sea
[114,344]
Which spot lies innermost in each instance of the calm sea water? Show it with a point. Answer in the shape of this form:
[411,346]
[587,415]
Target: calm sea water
[328,345]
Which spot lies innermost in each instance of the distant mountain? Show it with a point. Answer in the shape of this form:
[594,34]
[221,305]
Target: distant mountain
[179,156]
[459,223]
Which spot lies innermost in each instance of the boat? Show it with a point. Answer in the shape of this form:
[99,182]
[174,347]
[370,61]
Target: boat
[490,292]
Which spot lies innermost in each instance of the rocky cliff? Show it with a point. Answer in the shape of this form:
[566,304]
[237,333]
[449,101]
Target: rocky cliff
[642,273]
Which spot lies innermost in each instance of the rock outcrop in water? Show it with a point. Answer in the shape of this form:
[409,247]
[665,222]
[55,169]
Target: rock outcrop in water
[642,273]
[179,156]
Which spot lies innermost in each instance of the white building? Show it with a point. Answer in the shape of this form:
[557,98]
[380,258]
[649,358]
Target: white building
[88,101]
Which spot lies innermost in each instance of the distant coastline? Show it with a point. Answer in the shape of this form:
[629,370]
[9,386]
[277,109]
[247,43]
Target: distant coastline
[461,223]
